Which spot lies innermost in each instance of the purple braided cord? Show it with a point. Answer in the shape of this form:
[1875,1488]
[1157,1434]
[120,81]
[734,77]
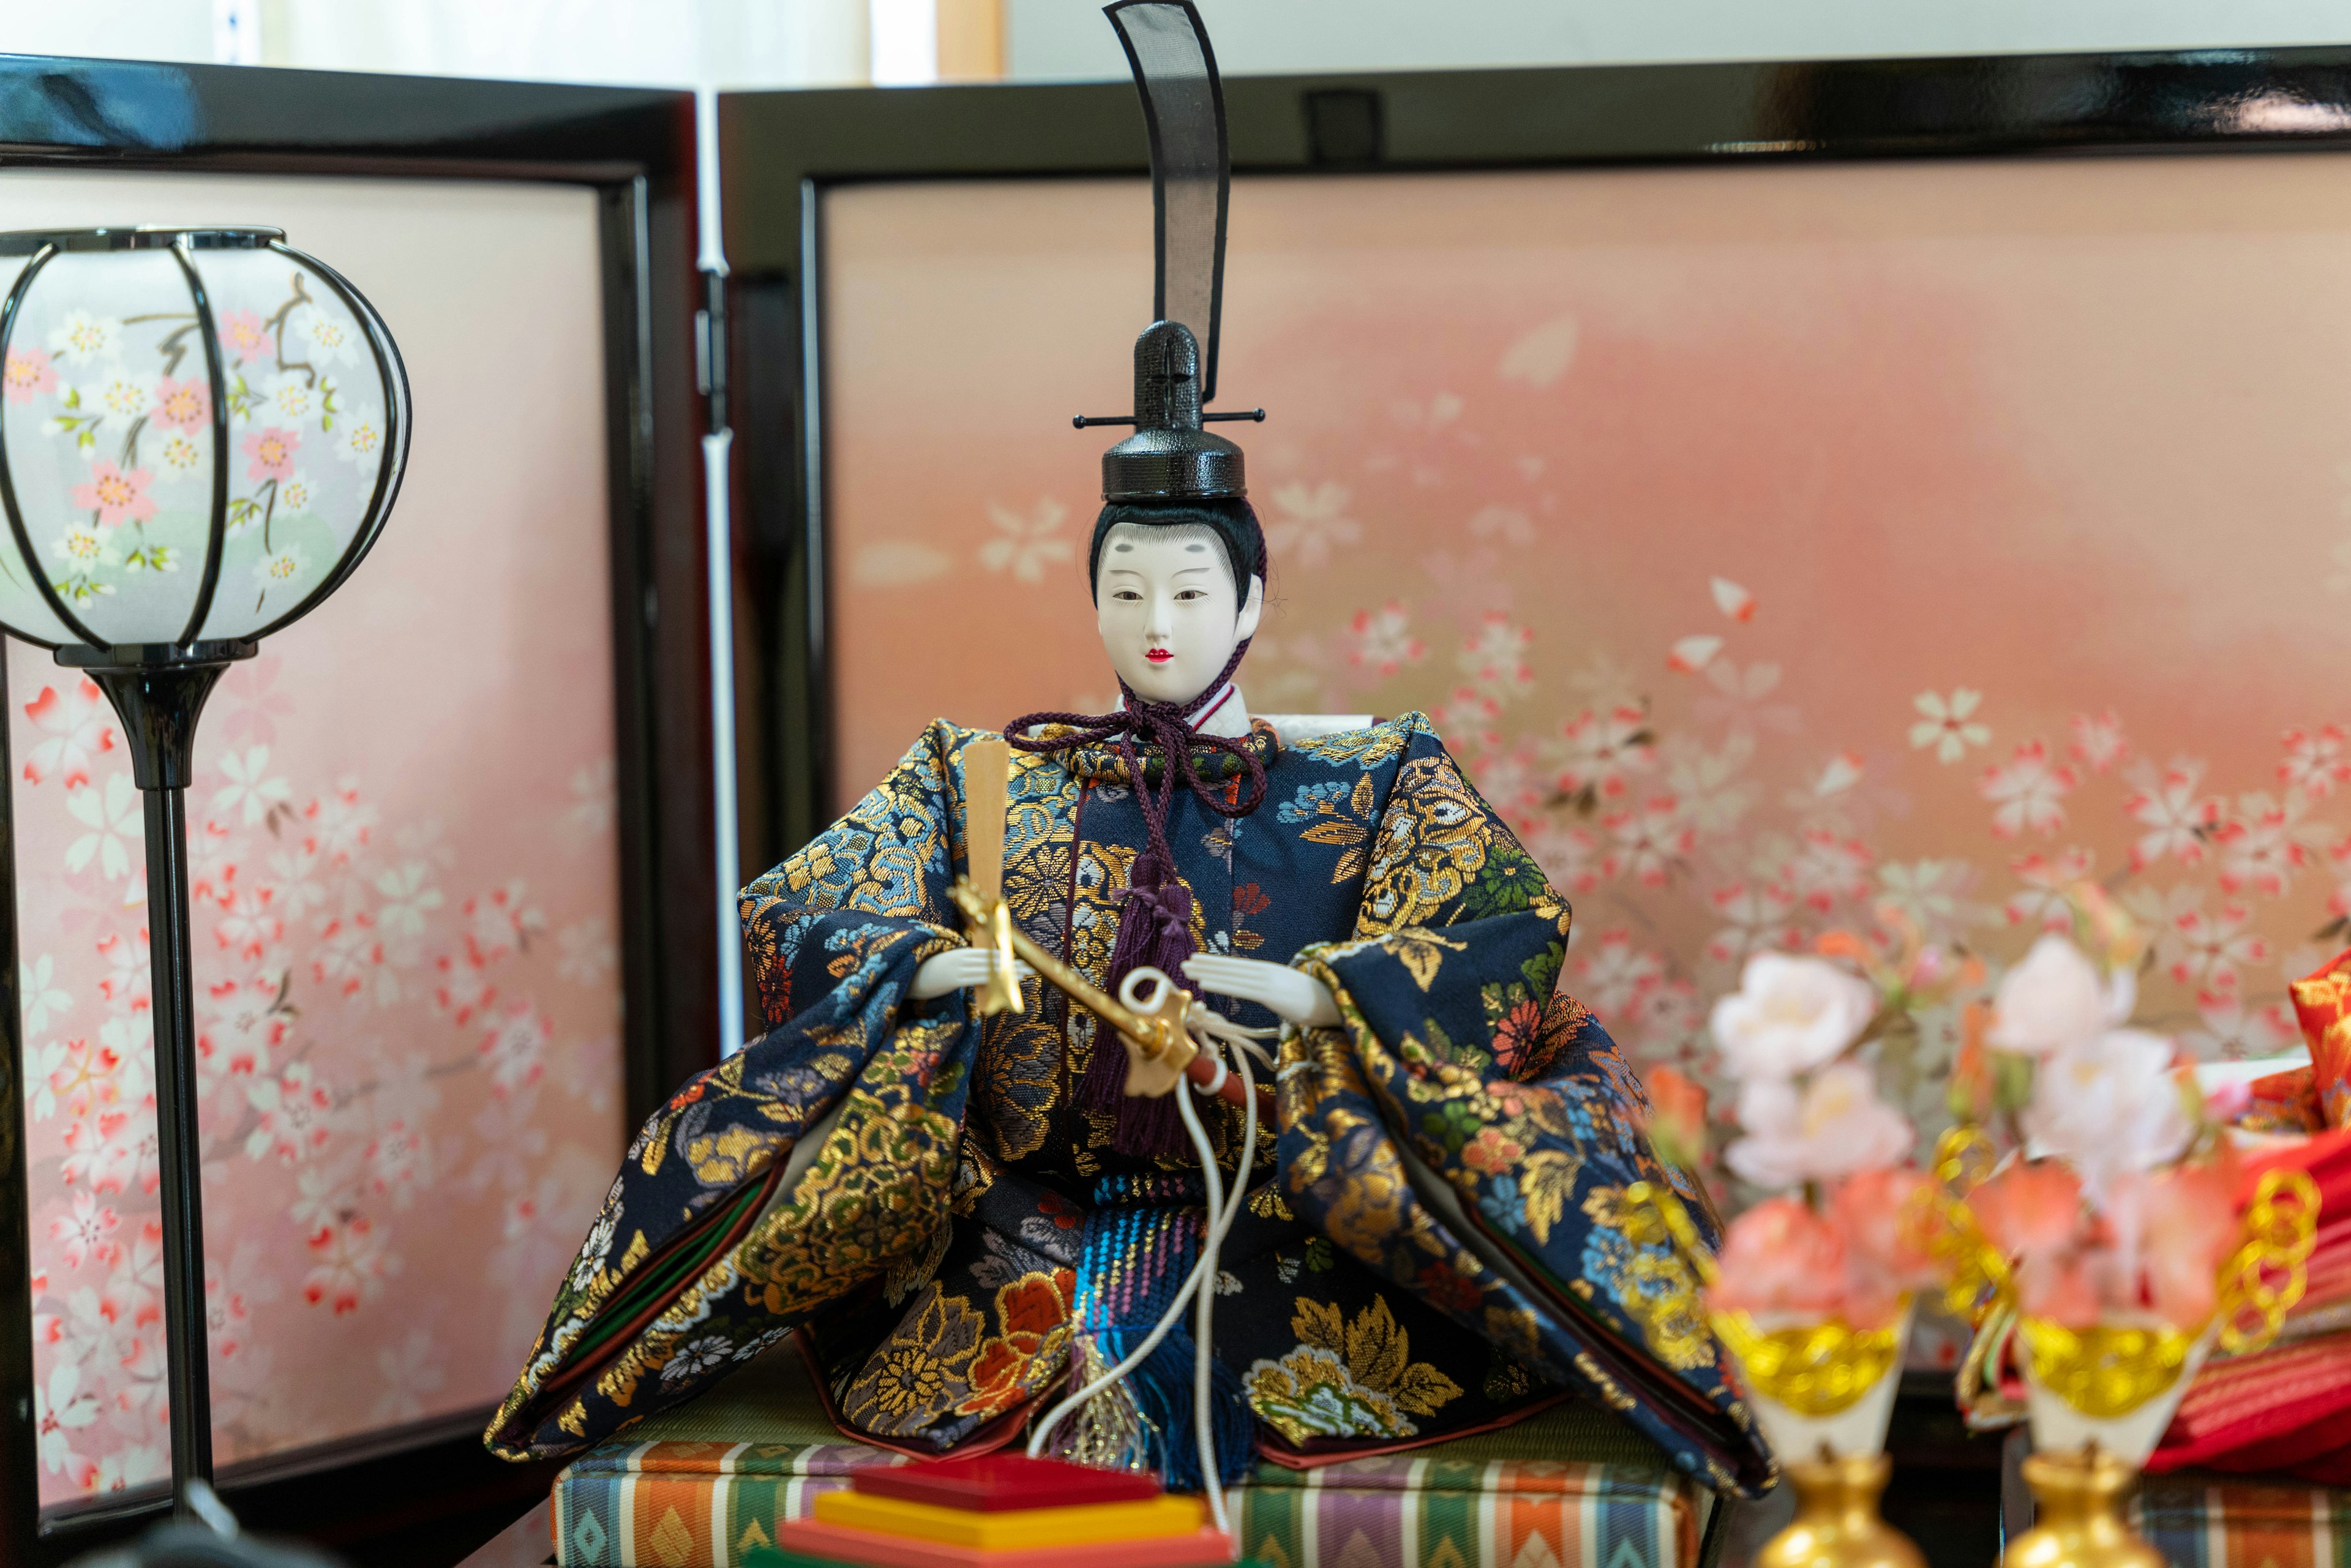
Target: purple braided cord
[1170,725]
[1153,927]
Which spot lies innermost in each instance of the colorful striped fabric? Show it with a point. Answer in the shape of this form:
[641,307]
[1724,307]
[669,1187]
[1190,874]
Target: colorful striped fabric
[1417,1511]
[2198,1522]
[1567,1489]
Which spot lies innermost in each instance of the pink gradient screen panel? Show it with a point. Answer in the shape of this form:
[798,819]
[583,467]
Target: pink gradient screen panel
[406,888]
[1771,545]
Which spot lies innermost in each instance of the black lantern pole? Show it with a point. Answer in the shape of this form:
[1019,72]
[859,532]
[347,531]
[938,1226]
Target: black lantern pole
[157,675]
[158,692]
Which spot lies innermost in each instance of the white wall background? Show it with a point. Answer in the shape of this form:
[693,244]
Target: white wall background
[782,42]
[672,42]
[1051,39]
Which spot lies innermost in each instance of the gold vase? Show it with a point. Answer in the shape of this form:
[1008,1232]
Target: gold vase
[1837,1523]
[2080,1498]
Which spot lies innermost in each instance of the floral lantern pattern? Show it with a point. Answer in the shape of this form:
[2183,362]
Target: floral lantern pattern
[203,430]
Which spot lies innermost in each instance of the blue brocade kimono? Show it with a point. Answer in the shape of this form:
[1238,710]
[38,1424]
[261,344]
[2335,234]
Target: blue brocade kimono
[1432,1244]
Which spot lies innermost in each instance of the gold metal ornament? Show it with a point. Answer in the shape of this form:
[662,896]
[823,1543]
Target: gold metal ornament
[1976,1276]
[1818,1369]
[1837,1523]
[2079,1501]
[2106,1370]
[2266,1276]
[1815,1372]
[1815,1369]
[987,774]
[1158,1046]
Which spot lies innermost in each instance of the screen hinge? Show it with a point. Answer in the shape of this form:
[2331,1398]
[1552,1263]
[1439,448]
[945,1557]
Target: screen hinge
[710,349]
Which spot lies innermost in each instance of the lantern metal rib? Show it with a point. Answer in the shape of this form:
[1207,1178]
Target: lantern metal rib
[394,375]
[216,377]
[26,554]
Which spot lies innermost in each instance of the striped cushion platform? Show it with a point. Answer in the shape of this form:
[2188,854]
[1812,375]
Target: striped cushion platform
[2230,1522]
[705,1485]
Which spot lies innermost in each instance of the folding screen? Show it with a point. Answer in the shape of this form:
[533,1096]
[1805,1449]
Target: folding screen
[435,982]
[1788,507]
[1772,545]
[409,1041]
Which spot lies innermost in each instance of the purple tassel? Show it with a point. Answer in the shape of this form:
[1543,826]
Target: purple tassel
[1154,931]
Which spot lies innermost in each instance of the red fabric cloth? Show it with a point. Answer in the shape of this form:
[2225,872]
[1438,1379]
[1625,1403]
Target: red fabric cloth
[2284,1102]
[2264,1412]
[2322,1005]
[2287,1408]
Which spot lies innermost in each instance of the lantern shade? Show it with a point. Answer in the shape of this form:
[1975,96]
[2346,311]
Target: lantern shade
[201,432]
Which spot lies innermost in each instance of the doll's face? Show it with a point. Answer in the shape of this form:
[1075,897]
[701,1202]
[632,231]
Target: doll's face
[1166,605]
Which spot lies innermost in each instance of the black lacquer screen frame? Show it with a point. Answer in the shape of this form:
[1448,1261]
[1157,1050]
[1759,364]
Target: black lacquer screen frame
[376,1497]
[781,151]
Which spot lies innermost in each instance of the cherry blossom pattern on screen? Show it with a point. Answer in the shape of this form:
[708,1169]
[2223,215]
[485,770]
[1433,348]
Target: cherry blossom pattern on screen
[369,1035]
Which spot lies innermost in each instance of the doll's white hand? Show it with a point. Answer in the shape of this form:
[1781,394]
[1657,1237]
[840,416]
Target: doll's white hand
[1284,992]
[958,968]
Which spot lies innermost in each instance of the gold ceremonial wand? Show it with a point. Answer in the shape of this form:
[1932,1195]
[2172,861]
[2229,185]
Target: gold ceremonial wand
[987,772]
[1159,1049]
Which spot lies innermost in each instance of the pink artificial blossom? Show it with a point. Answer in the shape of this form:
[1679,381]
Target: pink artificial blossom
[1856,1260]
[1883,1217]
[2157,1246]
[272,451]
[2184,1223]
[2032,1214]
[2178,820]
[1780,1257]
[116,497]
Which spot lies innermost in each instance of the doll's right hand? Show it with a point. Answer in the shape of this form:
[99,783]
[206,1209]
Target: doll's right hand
[957,968]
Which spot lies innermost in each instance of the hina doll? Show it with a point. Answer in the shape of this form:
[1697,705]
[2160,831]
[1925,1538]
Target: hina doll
[965,1216]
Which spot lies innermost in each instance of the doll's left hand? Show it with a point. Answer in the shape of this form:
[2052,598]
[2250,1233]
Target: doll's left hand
[1284,992]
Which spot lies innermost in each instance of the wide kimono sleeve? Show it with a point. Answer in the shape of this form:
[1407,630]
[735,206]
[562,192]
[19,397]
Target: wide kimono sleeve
[715,1239]
[1468,1130]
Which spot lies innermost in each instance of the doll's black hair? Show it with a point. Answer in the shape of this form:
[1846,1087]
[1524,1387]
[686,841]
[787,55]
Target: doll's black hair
[1232,520]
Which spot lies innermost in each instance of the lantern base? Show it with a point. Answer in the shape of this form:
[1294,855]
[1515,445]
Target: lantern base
[158,689]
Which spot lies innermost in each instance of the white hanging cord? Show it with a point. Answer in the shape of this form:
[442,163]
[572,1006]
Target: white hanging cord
[1204,1331]
[1203,1364]
[1174,1313]
[1211,1032]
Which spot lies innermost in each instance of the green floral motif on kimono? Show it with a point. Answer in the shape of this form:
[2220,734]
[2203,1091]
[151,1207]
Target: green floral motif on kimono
[1347,1380]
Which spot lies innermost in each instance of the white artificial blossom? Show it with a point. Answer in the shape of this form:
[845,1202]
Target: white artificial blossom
[1790,1015]
[2056,1000]
[1831,1126]
[2109,1106]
